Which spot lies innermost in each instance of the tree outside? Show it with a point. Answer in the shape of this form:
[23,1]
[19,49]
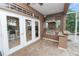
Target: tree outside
[70,22]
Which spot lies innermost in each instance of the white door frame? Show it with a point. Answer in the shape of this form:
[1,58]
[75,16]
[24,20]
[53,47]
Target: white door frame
[75,27]
[6,49]
[1,38]
[76,40]
[23,43]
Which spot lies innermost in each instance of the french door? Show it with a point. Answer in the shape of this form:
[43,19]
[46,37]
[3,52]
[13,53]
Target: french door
[17,31]
[72,26]
[32,29]
[11,33]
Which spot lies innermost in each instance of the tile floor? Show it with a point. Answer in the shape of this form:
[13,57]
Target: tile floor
[48,48]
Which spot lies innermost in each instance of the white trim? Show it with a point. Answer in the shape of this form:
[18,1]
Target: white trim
[1,49]
[75,27]
[33,29]
[76,39]
[4,34]
[71,12]
[22,31]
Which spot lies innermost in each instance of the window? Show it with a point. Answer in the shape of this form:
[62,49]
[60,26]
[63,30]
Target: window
[36,29]
[13,31]
[28,30]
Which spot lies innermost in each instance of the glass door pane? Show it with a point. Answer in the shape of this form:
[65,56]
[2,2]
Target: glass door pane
[13,31]
[36,29]
[78,28]
[78,15]
[28,30]
[70,25]
[77,36]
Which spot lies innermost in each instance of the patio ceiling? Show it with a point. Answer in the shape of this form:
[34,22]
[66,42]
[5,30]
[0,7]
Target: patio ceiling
[49,8]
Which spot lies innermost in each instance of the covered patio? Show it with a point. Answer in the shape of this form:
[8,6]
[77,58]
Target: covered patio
[37,29]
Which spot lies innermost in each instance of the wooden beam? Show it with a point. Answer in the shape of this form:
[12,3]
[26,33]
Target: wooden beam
[66,6]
